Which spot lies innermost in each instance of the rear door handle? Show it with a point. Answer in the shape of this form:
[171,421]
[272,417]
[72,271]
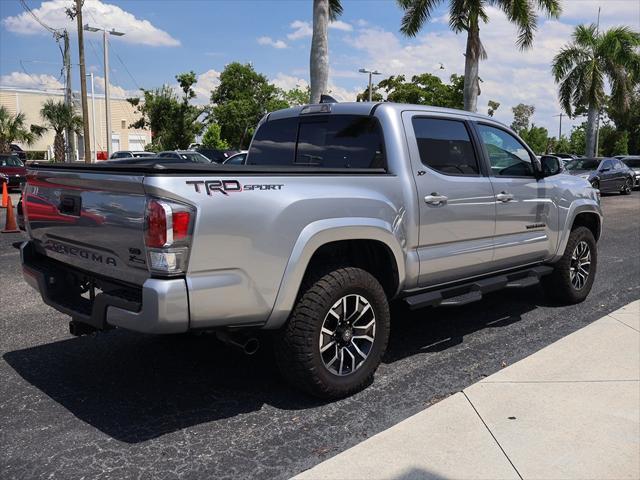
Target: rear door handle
[435,199]
[504,197]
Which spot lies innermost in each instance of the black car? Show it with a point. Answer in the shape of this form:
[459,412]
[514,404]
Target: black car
[217,156]
[22,155]
[633,162]
[605,174]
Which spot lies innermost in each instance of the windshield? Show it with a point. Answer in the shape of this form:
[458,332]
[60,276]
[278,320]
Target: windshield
[632,162]
[195,157]
[11,161]
[582,164]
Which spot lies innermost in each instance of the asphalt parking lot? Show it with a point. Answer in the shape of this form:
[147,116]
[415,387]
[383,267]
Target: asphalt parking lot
[125,405]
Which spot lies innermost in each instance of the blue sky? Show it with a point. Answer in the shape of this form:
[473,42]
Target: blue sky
[166,37]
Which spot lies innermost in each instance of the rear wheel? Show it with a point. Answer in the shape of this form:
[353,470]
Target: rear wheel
[573,275]
[336,335]
[627,187]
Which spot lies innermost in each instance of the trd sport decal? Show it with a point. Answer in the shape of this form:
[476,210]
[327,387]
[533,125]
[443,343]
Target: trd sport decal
[226,187]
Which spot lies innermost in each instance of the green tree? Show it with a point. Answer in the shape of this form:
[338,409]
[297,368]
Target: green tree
[560,146]
[578,138]
[296,96]
[492,107]
[211,138]
[324,11]
[628,120]
[521,115]
[424,89]
[613,141]
[241,99]
[14,129]
[537,138]
[466,16]
[173,121]
[582,67]
[60,117]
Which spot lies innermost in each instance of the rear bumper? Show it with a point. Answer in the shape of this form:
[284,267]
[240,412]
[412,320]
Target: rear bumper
[159,306]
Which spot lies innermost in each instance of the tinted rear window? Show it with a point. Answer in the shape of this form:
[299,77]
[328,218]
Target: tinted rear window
[340,141]
[274,143]
[328,141]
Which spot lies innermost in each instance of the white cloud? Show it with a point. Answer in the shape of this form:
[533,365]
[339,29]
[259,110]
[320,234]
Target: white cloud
[207,81]
[340,25]
[52,13]
[271,42]
[613,12]
[36,81]
[510,76]
[289,82]
[115,91]
[300,30]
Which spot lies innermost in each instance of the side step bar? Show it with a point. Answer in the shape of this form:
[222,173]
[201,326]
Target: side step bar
[473,291]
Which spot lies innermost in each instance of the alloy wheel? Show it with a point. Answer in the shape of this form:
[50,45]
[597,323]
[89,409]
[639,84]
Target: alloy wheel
[580,265]
[347,335]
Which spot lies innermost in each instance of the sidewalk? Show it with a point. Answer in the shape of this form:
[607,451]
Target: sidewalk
[569,411]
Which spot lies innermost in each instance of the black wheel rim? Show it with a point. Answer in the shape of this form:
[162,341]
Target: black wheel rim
[347,335]
[580,265]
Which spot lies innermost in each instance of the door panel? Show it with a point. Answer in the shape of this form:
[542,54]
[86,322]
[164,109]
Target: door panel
[526,212]
[457,212]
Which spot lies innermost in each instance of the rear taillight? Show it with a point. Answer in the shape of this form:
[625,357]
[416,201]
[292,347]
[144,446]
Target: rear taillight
[168,228]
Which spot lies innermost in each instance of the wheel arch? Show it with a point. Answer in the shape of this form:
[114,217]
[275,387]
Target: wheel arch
[367,243]
[585,213]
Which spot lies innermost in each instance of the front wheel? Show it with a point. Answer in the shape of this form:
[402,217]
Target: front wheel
[627,187]
[573,276]
[336,335]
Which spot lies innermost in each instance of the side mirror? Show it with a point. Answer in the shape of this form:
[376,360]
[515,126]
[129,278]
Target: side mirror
[550,165]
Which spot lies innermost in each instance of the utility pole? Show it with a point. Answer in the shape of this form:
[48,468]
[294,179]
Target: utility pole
[371,73]
[68,100]
[107,99]
[83,84]
[560,126]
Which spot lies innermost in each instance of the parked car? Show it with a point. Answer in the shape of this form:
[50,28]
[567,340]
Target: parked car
[130,154]
[605,174]
[153,160]
[22,155]
[633,162]
[340,209]
[185,155]
[13,170]
[237,159]
[217,156]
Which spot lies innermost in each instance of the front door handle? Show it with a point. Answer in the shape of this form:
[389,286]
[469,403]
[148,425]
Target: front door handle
[504,197]
[435,199]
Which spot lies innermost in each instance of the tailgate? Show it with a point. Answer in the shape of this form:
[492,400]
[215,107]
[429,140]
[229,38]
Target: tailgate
[91,220]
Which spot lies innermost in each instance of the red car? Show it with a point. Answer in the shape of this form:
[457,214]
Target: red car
[12,170]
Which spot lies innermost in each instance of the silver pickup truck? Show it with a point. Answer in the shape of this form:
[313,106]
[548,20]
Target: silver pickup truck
[340,209]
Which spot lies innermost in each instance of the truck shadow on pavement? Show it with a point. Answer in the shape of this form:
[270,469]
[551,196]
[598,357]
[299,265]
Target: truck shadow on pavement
[137,387]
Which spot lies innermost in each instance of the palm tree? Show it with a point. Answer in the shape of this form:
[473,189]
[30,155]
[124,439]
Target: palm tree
[13,129]
[324,11]
[60,117]
[466,15]
[582,67]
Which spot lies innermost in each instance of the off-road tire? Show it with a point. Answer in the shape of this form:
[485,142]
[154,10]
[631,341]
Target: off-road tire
[558,285]
[297,347]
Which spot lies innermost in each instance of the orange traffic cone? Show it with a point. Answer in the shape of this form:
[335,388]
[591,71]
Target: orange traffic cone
[5,194]
[10,225]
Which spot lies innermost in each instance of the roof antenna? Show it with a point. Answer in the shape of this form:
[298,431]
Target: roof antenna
[327,99]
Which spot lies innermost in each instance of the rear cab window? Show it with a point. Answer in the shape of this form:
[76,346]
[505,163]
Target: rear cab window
[445,146]
[320,141]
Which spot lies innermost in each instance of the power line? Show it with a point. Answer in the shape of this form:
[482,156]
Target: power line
[35,17]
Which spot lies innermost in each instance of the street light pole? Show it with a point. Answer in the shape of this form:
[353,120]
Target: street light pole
[371,74]
[93,119]
[107,98]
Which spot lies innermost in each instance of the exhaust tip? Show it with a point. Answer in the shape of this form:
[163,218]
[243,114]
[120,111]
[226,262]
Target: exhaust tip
[251,346]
